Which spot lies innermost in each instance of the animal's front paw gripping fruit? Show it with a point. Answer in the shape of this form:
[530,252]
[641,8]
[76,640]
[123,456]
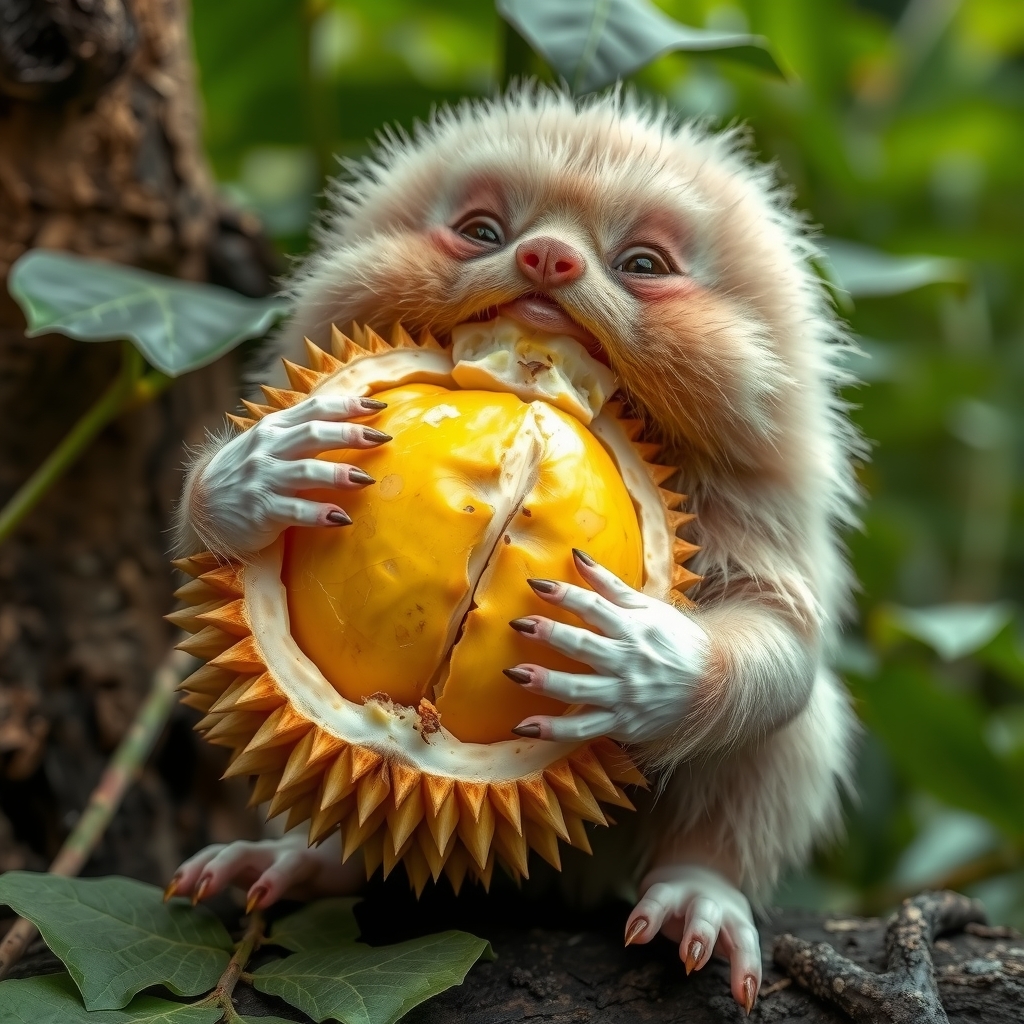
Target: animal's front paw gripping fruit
[357,672]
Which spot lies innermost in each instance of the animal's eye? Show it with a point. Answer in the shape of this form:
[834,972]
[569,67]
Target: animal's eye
[642,261]
[481,228]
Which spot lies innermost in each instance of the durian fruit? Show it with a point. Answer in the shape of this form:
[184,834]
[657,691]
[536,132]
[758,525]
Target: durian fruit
[356,673]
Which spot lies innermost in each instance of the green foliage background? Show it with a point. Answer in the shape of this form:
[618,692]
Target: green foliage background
[902,128]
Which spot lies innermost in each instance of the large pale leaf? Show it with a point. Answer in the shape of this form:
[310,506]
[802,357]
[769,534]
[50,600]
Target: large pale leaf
[117,936]
[53,999]
[177,325]
[951,630]
[591,43]
[863,271]
[317,926]
[371,984]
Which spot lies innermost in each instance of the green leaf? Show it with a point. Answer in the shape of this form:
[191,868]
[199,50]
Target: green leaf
[953,631]
[317,925]
[591,43]
[937,738]
[177,325]
[372,984]
[860,270]
[117,936]
[53,999]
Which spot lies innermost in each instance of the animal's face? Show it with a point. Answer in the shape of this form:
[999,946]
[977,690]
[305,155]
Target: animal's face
[656,248]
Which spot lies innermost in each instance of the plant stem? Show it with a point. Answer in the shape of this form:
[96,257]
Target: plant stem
[221,995]
[122,770]
[102,412]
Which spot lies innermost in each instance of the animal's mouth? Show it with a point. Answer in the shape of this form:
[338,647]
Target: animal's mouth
[541,312]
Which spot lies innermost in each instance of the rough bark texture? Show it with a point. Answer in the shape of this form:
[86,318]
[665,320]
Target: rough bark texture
[563,967]
[100,154]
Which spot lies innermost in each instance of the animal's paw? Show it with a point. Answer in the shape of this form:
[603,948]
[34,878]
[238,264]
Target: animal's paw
[268,869]
[704,913]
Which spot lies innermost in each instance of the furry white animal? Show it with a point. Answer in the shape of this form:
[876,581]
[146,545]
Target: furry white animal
[673,257]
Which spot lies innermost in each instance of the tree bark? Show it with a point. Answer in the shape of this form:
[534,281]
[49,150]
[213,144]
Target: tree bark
[100,154]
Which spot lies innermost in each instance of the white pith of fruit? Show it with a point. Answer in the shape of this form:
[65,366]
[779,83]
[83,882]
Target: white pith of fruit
[360,766]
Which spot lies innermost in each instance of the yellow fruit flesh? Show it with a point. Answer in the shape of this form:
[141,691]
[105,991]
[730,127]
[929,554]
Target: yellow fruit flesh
[478,492]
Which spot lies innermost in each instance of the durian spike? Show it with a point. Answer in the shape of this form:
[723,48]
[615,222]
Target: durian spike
[647,450]
[325,820]
[363,761]
[677,519]
[455,867]
[373,854]
[617,763]
[257,411]
[244,657]
[540,803]
[308,756]
[442,824]
[659,474]
[261,694]
[202,702]
[544,841]
[188,618]
[631,428]
[320,360]
[670,499]
[229,698]
[403,820]
[281,398]
[196,592]
[230,617]
[207,679]
[683,579]
[235,729]
[435,858]
[505,797]
[358,334]
[401,338]
[286,797]
[583,804]
[338,779]
[256,762]
[484,876]
[472,796]
[417,869]
[371,791]
[240,423]
[344,348]
[299,813]
[404,780]
[207,643]
[560,776]
[584,763]
[476,835]
[301,378]
[374,342]
[264,788]
[428,341]
[683,550]
[226,579]
[283,727]
[195,565]
[512,846]
[577,833]
[436,789]
[354,834]
[391,859]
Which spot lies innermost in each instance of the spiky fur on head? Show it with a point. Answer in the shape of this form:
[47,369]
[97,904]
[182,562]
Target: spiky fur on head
[737,369]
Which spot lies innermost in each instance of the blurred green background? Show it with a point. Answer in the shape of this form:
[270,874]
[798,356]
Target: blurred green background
[901,128]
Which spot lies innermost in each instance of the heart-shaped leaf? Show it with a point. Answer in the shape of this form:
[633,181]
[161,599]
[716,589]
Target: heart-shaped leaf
[177,325]
[53,999]
[318,925]
[860,270]
[117,936]
[591,43]
[371,984]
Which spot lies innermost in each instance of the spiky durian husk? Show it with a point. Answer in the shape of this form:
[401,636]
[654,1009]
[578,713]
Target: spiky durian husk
[380,801]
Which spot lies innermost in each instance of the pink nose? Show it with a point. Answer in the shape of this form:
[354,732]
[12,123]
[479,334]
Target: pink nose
[548,262]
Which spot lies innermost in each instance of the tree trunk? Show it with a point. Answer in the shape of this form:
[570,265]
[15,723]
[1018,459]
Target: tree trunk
[100,154]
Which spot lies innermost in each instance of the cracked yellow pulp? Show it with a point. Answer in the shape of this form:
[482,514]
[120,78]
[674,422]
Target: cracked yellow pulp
[478,492]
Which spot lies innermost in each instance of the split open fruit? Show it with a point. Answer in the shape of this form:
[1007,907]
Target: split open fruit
[357,672]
